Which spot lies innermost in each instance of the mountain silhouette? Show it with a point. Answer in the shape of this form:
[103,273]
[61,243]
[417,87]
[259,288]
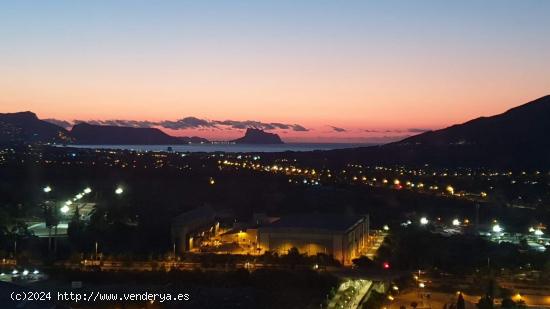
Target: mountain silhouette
[523,125]
[25,127]
[88,134]
[517,138]
[257,136]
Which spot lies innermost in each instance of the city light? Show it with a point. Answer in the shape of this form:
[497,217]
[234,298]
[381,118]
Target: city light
[424,221]
[497,228]
[87,191]
[79,196]
[25,272]
[47,189]
[421,285]
[119,191]
[456,222]
[69,203]
[65,209]
[386,228]
[450,189]
[538,232]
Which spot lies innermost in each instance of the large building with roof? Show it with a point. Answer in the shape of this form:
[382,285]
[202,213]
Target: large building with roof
[192,226]
[342,236]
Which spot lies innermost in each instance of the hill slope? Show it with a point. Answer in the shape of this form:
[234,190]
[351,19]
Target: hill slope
[523,125]
[26,127]
[517,138]
[87,134]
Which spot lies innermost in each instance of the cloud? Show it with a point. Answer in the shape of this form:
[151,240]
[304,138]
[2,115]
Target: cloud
[62,123]
[187,123]
[118,123]
[192,123]
[411,130]
[337,129]
[417,130]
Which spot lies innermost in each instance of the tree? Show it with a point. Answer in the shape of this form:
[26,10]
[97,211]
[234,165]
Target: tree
[375,301]
[460,302]
[486,302]
[51,220]
[293,257]
[363,262]
[508,303]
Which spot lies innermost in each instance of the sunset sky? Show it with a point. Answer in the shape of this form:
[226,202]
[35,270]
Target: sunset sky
[318,70]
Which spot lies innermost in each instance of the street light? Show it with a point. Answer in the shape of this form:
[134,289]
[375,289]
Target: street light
[451,190]
[119,191]
[65,209]
[87,190]
[47,189]
[456,222]
[424,221]
[497,228]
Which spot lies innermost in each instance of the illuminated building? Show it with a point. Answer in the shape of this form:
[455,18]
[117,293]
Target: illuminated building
[343,237]
[189,227]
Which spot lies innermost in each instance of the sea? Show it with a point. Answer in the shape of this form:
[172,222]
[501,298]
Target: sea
[227,147]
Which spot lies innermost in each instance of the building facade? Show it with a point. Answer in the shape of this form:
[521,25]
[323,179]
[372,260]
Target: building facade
[342,237]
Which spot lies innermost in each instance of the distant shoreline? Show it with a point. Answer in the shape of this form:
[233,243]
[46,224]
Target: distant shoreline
[228,147]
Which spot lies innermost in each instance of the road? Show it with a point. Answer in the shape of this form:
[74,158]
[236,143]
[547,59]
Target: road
[350,293]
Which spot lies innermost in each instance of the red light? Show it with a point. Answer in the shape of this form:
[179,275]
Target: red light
[386,265]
